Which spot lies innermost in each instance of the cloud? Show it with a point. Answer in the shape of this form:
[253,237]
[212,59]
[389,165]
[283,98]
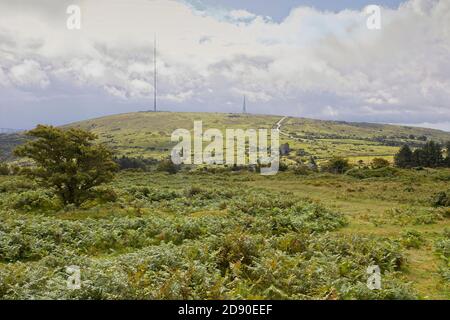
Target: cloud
[28,73]
[314,64]
[241,15]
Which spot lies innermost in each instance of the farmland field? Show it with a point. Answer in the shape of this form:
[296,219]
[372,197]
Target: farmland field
[211,233]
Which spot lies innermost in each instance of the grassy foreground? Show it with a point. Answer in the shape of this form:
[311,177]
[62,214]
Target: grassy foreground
[236,235]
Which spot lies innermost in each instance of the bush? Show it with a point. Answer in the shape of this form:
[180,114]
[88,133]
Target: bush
[126,163]
[414,216]
[283,167]
[16,184]
[378,163]
[440,199]
[168,166]
[337,165]
[35,201]
[412,239]
[105,194]
[302,170]
[236,248]
[442,248]
[4,169]
[365,173]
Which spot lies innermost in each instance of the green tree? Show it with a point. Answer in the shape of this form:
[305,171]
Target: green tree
[337,165]
[404,158]
[68,161]
[447,158]
[432,153]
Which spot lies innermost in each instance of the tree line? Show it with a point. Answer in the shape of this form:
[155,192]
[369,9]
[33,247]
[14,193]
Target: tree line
[431,155]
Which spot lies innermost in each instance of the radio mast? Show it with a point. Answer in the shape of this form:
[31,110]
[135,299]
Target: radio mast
[244,107]
[154,74]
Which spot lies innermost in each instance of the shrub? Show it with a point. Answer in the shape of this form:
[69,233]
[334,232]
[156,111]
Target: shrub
[16,184]
[365,173]
[412,239]
[168,166]
[4,169]
[35,200]
[283,166]
[302,170]
[196,190]
[414,216]
[126,163]
[442,248]
[440,199]
[337,165]
[236,248]
[105,194]
[378,163]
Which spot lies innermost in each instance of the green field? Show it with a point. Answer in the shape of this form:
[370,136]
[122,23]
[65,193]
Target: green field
[223,234]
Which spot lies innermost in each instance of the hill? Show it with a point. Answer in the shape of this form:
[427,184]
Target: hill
[147,134]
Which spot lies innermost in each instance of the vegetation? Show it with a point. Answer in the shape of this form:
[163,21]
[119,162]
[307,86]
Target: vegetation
[430,155]
[404,158]
[126,163]
[378,163]
[184,236]
[168,166]
[217,232]
[68,161]
[337,165]
[4,169]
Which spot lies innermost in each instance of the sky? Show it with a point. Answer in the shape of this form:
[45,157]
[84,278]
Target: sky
[314,59]
[278,10]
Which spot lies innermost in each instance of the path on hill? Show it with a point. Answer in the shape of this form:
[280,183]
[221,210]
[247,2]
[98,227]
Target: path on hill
[278,127]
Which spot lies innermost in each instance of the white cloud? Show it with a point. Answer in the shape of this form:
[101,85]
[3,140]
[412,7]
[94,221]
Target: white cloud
[241,15]
[329,63]
[29,73]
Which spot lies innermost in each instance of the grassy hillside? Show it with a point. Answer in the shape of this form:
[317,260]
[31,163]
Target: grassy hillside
[7,144]
[147,134]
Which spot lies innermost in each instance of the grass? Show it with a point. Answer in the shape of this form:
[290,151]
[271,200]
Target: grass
[201,203]
[232,235]
[373,201]
[147,134]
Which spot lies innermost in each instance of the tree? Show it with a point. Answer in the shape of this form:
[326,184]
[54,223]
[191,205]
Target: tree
[378,163]
[447,158]
[68,161]
[404,158]
[432,155]
[337,165]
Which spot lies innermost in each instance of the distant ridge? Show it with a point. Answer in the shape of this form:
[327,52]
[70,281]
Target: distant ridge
[9,130]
